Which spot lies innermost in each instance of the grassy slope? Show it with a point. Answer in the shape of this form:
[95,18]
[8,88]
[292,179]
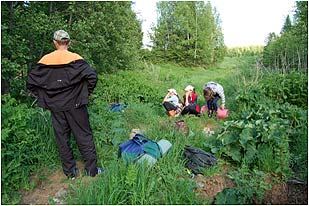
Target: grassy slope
[166,182]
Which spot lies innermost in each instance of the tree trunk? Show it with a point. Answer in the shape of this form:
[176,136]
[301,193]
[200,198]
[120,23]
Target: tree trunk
[195,49]
[299,59]
[70,20]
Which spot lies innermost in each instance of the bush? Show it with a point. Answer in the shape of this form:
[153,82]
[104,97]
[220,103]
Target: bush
[282,88]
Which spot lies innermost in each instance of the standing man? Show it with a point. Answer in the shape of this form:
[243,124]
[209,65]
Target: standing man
[63,82]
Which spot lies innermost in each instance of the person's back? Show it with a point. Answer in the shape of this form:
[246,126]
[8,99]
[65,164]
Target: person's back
[212,93]
[62,82]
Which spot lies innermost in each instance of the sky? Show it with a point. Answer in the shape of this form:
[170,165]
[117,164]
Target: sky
[244,22]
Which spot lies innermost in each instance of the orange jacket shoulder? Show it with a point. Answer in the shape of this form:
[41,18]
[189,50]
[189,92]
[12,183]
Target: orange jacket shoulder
[59,57]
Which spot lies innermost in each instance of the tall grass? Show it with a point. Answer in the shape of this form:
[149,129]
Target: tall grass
[27,143]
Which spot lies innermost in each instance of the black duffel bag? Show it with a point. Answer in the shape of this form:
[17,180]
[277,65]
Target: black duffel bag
[197,159]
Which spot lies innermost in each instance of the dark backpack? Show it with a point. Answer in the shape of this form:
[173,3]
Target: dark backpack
[117,107]
[197,159]
[131,150]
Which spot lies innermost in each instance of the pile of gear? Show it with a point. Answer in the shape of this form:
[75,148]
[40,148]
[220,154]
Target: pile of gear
[140,149]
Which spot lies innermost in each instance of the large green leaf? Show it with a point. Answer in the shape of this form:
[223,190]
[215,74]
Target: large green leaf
[250,153]
[233,151]
[227,197]
[245,136]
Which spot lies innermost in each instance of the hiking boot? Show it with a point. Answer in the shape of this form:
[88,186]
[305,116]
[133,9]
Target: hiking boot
[74,175]
[99,171]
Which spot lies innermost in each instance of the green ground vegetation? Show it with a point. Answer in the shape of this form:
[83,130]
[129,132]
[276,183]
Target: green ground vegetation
[265,134]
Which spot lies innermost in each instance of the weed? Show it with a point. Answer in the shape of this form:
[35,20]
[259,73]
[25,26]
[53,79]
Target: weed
[251,186]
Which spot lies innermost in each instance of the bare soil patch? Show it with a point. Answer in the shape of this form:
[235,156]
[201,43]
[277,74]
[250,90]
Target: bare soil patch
[289,193]
[50,190]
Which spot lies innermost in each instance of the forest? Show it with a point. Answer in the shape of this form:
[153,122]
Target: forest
[262,145]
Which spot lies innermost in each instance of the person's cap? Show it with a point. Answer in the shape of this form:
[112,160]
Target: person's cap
[189,88]
[61,35]
[172,90]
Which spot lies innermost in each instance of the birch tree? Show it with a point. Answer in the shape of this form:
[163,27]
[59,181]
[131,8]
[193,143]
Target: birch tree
[188,33]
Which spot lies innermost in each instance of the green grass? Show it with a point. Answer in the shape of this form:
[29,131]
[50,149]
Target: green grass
[167,182]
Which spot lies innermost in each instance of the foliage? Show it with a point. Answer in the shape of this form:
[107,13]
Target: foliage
[265,135]
[115,44]
[291,88]
[289,50]
[253,134]
[26,143]
[265,124]
[251,186]
[188,33]
[128,87]
[279,128]
[27,29]
[244,51]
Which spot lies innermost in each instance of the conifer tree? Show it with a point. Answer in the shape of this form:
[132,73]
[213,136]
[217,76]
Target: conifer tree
[287,25]
[289,50]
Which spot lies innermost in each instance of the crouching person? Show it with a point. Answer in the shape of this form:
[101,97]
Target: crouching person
[171,103]
[212,93]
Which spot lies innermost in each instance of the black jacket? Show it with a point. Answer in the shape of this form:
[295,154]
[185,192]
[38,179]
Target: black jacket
[62,87]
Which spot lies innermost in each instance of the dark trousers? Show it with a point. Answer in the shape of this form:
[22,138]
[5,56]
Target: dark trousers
[190,109]
[212,103]
[169,106]
[77,122]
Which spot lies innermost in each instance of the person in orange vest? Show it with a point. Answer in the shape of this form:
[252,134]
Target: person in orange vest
[62,81]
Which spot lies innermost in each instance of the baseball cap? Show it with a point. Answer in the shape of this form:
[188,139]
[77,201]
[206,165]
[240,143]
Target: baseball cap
[172,90]
[189,88]
[61,35]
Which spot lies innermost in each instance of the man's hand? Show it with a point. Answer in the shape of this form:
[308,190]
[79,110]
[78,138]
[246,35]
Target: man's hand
[222,106]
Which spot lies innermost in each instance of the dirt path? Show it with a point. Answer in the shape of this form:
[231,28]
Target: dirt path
[51,190]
